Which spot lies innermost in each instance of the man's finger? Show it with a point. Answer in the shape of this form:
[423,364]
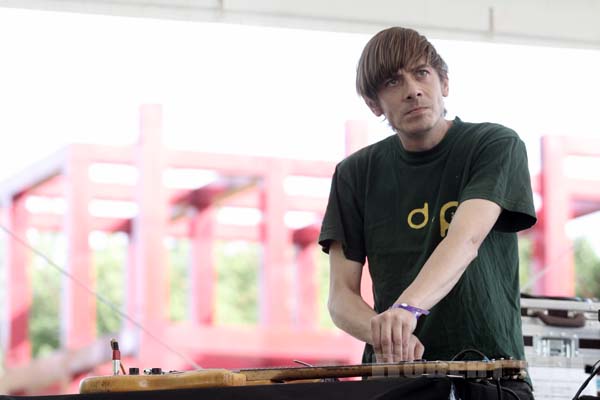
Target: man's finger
[419,349]
[406,335]
[386,339]
[397,340]
[376,335]
[415,349]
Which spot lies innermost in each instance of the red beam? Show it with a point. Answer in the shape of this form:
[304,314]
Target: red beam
[99,153]
[276,304]
[18,287]
[249,166]
[133,295]
[202,271]
[179,228]
[78,316]
[33,176]
[581,146]
[557,273]
[149,227]
[584,189]
[583,207]
[55,223]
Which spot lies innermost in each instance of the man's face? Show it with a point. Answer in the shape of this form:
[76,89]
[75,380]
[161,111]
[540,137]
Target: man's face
[412,100]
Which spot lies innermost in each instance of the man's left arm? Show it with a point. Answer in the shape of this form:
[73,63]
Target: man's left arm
[472,222]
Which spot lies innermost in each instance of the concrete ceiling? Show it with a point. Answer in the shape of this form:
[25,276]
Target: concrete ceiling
[572,23]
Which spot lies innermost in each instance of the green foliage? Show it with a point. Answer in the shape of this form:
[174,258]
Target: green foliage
[587,270]
[109,260]
[525,266]
[46,281]
[179,280]
[587,267]
[238,266]
[44,324]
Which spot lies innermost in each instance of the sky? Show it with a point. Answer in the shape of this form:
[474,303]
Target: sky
[67,77]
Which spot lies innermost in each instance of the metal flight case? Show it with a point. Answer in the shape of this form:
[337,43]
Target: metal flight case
[562,342]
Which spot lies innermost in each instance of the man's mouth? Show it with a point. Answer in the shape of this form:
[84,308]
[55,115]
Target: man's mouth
[416,110]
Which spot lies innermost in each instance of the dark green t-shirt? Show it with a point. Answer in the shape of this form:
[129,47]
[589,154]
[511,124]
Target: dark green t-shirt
[393,207]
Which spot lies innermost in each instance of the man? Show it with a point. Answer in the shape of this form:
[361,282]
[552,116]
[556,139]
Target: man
[435,209]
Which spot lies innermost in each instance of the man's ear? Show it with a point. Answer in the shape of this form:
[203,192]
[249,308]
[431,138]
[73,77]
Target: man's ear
[445,87]
[374,106]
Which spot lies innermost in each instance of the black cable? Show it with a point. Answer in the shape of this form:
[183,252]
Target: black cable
[465,351]
[499,389]
[594,366]
[585,383]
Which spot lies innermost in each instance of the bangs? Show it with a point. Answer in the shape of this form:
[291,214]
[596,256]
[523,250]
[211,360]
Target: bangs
[389,51]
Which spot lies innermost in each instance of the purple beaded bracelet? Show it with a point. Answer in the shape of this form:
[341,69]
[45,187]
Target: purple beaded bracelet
[417,312]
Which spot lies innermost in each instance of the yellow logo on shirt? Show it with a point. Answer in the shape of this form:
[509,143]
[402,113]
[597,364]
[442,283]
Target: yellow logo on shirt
[418,223]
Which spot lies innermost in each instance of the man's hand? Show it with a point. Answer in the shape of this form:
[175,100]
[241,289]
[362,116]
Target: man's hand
[393,340]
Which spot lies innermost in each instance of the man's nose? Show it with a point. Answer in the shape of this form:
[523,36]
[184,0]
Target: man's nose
[413,89]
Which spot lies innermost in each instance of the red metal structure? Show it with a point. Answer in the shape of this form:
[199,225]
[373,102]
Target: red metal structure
[288,303]
[563,198]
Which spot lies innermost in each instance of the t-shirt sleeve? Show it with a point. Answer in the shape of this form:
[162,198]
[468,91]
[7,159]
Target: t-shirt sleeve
[343,220]
[500,174]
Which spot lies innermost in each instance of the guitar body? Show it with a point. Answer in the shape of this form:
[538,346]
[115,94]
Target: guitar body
[222,377]
[172,380]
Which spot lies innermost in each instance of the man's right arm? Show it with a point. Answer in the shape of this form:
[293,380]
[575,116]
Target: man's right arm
[347,308]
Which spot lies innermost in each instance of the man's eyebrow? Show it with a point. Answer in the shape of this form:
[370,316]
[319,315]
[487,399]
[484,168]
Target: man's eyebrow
[393,75]
[421,66]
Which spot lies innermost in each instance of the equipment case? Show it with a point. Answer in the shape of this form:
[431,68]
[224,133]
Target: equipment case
[562,338]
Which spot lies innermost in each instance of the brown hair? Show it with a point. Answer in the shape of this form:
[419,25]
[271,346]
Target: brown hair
[390,50]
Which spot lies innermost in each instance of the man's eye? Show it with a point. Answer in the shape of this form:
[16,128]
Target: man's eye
[422,72]
[391,82]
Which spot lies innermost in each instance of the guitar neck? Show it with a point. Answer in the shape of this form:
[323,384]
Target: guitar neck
[467,369]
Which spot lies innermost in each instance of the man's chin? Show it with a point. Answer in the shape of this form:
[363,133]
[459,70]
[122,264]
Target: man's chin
[414,130]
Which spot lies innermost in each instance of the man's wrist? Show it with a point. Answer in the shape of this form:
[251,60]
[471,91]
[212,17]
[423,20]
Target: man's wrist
[416,311]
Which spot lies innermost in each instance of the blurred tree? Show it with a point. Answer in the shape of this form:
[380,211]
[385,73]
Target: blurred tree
[109,258]
[46,281]
[44,324]
[237,266]
[587,269]
[179,287]
[525,266]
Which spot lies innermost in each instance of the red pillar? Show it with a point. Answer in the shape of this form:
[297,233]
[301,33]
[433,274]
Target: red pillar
[18,295]
[148,233]
[306,277]
[78,315]
[132,306]
[559,271]
[202,272]
[276,303]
